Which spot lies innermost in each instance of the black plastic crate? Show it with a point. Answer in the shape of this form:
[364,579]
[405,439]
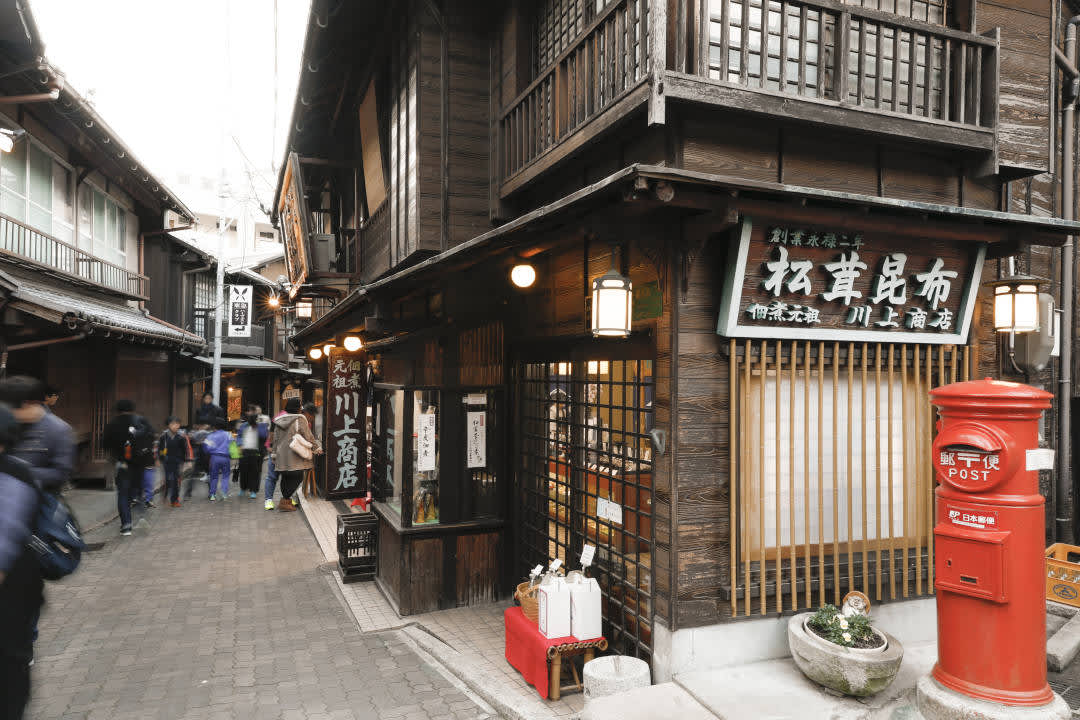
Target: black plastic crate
[358,545]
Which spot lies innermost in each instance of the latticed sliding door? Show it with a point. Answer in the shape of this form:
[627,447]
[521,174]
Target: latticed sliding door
[585,477]
[833,486]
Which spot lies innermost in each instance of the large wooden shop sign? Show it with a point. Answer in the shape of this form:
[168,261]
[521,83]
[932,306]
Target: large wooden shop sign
[820,283]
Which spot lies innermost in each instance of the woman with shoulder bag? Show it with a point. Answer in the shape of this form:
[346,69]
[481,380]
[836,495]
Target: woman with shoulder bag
[293,449]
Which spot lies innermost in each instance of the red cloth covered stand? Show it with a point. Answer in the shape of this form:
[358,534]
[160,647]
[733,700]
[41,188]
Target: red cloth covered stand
[527,648]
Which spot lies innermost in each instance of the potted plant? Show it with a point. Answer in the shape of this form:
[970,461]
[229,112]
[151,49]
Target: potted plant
[842,651]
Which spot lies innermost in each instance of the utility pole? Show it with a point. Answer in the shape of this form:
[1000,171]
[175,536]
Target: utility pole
[219,305]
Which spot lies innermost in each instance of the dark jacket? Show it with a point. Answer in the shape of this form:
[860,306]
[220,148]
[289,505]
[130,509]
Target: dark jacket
[209,414]
[49,448]
[21,592]
[118,430]
[174,449]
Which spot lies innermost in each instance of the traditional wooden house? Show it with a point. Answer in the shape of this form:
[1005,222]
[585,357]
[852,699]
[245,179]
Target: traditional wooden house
[802,200]
[84,237]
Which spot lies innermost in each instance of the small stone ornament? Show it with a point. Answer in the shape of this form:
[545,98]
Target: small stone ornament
[855,603]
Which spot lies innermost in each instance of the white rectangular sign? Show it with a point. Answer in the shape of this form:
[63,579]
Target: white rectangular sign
[476,440]
[609,510]
[425,442]
[1040,459]
[239,308]
[587,554]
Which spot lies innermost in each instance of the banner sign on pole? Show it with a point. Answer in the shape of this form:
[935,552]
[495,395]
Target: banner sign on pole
[240,297]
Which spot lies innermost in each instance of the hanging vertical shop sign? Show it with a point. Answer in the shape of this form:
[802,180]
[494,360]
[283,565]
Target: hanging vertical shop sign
[346,418]
[830,284]
[476,439]
[240,297]
[425,441]
[292,209]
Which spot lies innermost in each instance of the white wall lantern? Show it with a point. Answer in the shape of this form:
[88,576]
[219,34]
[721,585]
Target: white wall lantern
[612,303]
[1016,304]
[315,353]
[523,275]
[303,310]
[352,343]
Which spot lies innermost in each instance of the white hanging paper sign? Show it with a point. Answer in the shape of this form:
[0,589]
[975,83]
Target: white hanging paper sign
[536,571]
[609,510]
[425,442]
[476,440]
[475,399]
[1040,459]
[555,564]
[587,554]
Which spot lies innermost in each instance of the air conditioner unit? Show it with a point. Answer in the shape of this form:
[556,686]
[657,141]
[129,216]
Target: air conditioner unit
[173,219]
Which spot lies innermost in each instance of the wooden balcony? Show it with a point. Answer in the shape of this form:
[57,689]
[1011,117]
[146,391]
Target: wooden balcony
[816,61]
[23,245]
[846,66]
[604,72]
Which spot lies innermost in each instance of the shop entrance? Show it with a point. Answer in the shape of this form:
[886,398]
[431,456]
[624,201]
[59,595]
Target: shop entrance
[585,477]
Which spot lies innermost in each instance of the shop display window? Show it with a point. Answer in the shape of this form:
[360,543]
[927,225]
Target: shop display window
[387,425]
[425,457]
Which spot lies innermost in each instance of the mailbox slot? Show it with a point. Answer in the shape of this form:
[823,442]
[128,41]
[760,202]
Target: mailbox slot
[970,562]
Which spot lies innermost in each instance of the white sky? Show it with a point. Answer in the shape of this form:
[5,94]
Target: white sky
[177,80]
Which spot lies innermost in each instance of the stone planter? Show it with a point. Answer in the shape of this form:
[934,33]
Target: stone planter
[849,671]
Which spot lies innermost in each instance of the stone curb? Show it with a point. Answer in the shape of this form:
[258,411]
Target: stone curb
[464,670]
[1063,646]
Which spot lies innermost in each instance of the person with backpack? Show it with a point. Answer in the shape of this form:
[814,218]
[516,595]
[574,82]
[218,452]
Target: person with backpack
[21,581]
[174,451]
[251,437]
[216,446]
[294,447]
[45,442]
[129,440]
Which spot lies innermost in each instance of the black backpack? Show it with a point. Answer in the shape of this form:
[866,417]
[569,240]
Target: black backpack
[138,447]
[56,539]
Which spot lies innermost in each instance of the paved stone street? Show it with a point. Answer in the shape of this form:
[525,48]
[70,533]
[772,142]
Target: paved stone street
[220,610]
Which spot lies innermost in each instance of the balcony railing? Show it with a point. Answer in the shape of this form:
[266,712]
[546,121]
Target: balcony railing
[30,246]
[825,49]
[607,61]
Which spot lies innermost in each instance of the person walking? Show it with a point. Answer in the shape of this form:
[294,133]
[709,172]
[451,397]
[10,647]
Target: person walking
[216,446]
[271,470]
[174,451]
[201,468]
[52,396]
[21,584]
[290,464]
[46,442]
[128,439]
[251,437]
[209,412]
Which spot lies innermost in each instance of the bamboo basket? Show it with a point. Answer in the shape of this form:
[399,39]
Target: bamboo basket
[528,601]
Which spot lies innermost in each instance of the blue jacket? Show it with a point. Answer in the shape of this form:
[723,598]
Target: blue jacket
[17,513]
[49,448]
[217,443]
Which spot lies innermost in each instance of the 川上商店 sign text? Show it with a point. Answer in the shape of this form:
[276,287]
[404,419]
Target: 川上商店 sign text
[820,284]
[346,418]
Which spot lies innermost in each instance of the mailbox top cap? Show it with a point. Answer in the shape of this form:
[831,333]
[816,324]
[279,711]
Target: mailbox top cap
[993,390]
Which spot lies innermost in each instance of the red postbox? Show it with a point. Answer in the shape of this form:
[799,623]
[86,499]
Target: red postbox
[989,536]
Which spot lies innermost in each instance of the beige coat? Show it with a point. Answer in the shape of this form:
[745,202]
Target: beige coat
[285,460]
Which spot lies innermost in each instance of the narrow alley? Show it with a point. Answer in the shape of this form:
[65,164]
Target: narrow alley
[222,611]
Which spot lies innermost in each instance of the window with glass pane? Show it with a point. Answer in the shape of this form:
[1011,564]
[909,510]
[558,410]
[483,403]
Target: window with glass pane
[386,432]
[85,218]
[425,457]
[63,208]
[13,182]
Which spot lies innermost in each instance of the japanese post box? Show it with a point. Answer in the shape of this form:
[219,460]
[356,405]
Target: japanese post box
[988,553]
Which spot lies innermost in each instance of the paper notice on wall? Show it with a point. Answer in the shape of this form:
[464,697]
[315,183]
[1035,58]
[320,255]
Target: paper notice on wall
[587,554]
[425,442]
[476,440]
[1040,459]
[609,510]
[475,399]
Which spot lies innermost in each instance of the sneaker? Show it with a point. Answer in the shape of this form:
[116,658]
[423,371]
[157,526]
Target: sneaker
[224,496]
[150,504]
[252,496]
[176,503]
[213,498]
[268,505]
[125,531]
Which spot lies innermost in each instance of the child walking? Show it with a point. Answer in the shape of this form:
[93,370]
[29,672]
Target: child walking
[217,447]
[174,451]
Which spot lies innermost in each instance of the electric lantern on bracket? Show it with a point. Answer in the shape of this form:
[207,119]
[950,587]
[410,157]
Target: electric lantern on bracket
[612,303]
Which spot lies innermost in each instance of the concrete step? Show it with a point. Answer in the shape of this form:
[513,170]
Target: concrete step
[667,700]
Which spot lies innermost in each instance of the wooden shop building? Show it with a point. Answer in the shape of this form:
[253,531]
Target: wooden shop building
[806,198]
